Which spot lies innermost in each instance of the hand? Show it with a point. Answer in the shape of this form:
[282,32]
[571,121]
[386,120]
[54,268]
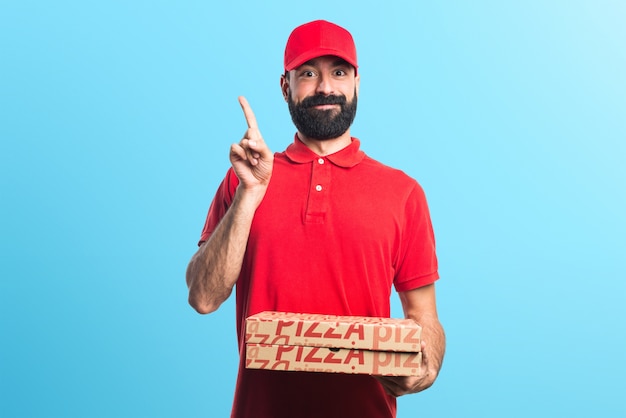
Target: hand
[251,159]
[403,385]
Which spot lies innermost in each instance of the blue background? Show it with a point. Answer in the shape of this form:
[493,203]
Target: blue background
[115,123]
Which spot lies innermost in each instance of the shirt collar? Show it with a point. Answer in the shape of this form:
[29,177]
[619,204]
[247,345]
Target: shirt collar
[347,157]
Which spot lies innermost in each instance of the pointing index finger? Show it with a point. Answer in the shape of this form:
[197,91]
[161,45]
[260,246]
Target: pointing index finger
[248,113]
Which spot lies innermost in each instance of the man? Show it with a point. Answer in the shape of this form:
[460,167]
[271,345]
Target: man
[319,228]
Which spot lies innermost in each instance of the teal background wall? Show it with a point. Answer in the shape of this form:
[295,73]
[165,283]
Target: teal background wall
[115,123]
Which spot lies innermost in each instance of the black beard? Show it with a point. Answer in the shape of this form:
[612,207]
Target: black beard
[322,124]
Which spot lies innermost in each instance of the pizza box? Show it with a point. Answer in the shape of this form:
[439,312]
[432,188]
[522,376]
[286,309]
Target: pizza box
[334,344]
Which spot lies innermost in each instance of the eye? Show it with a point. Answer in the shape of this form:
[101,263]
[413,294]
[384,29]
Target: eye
[340,73]
[307,73]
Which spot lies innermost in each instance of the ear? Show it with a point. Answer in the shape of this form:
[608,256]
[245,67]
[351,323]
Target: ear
[357,81]
[284,87]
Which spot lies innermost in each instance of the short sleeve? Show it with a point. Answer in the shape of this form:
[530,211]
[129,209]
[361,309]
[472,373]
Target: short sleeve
[219,206]
[416,264]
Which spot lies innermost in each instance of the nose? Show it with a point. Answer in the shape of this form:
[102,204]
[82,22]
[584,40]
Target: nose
[325,85]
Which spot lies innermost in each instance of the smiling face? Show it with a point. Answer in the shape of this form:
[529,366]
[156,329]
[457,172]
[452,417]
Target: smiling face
[322,97]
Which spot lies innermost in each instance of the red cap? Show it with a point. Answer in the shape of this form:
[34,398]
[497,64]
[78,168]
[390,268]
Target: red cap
[316,39]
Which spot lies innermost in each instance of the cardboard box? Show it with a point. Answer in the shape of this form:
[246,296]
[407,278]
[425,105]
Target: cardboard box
[336,344]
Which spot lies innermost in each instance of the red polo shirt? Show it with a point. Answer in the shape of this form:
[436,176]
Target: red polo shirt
[332,235]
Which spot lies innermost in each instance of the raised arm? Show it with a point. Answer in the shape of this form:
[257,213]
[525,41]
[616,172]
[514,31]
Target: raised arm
[420,305]
[214,268]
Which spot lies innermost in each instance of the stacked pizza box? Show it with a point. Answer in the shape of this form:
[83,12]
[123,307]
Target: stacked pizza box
[334,344]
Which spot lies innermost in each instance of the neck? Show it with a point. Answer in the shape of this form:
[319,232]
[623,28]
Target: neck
[326,146]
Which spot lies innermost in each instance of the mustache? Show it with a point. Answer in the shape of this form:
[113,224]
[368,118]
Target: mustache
[320,99]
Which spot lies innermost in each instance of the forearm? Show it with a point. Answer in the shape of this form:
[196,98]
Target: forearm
[420,305]
[434,338]
[214,269]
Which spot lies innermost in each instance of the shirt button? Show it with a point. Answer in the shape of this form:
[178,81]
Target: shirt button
[321,161]
[318,188]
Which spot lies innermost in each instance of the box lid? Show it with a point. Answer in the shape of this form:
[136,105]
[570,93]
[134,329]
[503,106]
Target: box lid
[315,330]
